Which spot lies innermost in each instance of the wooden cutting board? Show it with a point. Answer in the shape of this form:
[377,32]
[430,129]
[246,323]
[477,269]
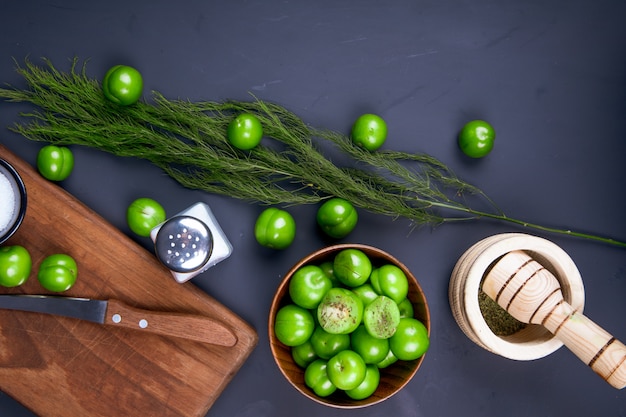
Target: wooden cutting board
[65,367]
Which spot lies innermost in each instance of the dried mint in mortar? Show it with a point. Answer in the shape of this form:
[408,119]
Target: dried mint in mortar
[498,319]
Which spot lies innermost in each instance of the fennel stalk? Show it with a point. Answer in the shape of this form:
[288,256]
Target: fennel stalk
[292,166]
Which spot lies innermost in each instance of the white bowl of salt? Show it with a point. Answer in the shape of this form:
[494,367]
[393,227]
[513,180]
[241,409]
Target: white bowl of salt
[12,200]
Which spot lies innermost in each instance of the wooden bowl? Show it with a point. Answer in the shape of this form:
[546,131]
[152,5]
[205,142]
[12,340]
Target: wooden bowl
[533,341]
[392,378]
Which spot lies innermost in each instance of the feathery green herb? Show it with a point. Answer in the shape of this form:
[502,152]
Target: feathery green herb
[188,141]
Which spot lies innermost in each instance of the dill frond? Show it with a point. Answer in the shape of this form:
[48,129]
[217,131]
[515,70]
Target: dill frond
[293,165]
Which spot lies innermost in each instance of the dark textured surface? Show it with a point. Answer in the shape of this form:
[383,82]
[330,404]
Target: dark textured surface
[550,76]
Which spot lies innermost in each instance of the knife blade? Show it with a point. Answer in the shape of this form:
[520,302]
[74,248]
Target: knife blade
[118,314]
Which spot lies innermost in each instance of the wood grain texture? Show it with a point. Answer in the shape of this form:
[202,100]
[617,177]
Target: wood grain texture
[531,294]
[64,367]
[188,326]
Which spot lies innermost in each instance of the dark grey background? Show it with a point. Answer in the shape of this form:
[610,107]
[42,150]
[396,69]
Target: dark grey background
[549,75]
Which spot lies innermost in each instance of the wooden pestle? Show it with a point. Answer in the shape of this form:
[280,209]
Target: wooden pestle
[531,294]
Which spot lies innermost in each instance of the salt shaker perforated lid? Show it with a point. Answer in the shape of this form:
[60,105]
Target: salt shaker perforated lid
[184,244]
[197,226]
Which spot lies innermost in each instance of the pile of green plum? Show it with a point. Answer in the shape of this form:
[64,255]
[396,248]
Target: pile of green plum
[347,319]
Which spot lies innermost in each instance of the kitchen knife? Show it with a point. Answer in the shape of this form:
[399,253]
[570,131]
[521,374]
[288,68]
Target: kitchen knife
[116,313]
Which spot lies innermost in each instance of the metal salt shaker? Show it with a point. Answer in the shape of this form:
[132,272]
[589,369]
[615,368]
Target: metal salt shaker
[190,242]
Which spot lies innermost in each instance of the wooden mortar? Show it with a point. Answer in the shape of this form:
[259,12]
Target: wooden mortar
[534,341]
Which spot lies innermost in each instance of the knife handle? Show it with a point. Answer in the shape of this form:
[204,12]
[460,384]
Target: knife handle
[186,326]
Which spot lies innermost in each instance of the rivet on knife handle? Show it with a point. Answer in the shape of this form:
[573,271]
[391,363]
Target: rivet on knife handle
[186,326]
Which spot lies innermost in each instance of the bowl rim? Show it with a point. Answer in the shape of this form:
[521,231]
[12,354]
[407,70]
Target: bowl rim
[283,288]
[21,187]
